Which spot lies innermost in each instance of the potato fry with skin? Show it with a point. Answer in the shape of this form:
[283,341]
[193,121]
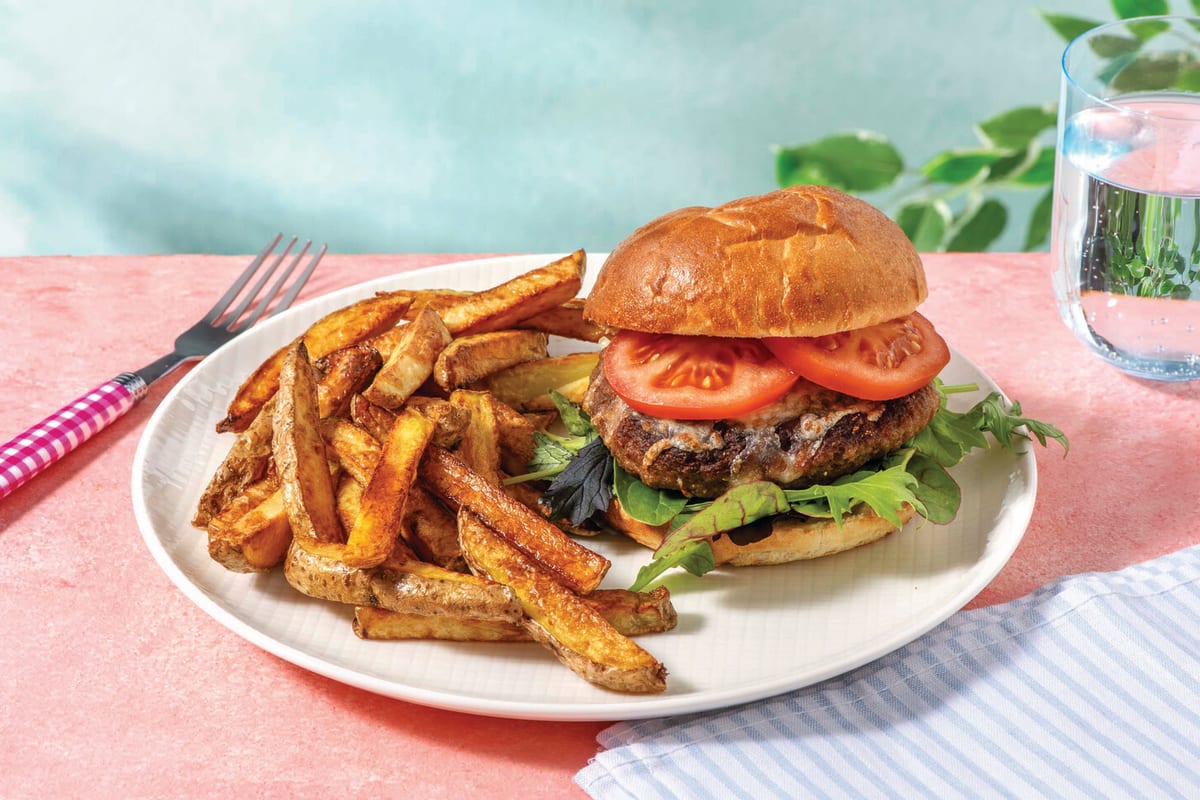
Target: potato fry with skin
[569,562]
[479,448]
[522,297]
[431,531]
[356,450]
[371,541]
[342,373]
[566,321]
[406,586]
[575,632]
[338,329]
[373,419]
[526,386]
[631,613]
[348,500]
[384,625]
[252,533]
[468,359]
[411,361]
[451,420]
[299,452]
[246,462]
[516,438]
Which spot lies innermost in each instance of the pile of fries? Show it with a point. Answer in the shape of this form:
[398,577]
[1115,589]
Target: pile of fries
[369,461]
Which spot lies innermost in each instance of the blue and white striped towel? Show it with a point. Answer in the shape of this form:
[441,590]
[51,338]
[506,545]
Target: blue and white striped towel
[1087,688]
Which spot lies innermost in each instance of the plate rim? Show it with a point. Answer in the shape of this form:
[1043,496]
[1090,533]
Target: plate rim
[1018,516]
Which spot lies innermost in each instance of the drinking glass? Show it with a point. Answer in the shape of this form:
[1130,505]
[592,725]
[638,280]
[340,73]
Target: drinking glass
[1126,215]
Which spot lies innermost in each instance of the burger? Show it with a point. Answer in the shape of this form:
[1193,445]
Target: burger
[770,341]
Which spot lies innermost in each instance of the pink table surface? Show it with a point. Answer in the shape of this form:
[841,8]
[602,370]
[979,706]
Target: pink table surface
[114,684]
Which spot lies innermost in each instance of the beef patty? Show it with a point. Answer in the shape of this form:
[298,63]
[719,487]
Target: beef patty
[810,435]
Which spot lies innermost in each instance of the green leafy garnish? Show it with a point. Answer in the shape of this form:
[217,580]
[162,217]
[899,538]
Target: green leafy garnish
[586,478]
[584,487]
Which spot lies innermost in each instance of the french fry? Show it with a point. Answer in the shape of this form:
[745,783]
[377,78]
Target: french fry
[338,329]
[356,450]
[566,321]
[522,297]
[451,420]
[246,462]
[406,586]
[479,447]
[569,562]
[252,533]
[379,623]
[526,386]
[347,499]
[411,361]
[631,613]
[529,495]
[431,531]
[374,419]
[575,632]
[342,373]
[516,438]
[299,452]
[468,359]
[371,541]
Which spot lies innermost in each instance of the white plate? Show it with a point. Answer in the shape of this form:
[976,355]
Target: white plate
[742,634]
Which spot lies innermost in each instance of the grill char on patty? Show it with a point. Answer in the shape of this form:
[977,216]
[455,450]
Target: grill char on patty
[811,435]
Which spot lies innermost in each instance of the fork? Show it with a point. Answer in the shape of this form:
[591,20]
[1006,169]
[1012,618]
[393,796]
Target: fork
[58,434]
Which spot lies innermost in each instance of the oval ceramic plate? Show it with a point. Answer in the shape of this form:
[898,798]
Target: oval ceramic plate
[742,635]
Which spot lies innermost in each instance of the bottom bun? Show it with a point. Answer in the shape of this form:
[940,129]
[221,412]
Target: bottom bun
[774,540]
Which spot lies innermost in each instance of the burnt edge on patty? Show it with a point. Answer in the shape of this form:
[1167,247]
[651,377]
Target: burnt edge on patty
[811,435]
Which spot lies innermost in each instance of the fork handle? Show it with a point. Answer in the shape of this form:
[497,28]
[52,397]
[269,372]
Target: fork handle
[64,430]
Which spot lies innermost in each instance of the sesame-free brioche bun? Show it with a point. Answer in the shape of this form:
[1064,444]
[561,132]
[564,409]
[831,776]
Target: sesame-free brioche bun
[800,261]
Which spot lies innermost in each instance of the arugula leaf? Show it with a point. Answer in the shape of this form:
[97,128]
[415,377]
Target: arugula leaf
[1003,424]
[885,491]
[696,557]
[584,486]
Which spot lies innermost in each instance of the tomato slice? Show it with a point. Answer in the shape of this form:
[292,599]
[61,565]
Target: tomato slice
[880,362]
[693,377]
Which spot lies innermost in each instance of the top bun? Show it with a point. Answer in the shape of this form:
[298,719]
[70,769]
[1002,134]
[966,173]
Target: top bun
[800,261]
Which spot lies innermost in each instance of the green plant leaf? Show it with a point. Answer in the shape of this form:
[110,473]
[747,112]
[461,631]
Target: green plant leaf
[696,557]
[861,161]
[1189,79]
[938,492]
[1038,173]
[1148,72]
[1108,45]
[959,166]
[924,224]
[1039,222]
[1128,9]
[643,503]
[977,231]
[1066,26]
[1016,128]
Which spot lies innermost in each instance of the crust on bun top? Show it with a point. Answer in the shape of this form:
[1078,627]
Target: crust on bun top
[800,261]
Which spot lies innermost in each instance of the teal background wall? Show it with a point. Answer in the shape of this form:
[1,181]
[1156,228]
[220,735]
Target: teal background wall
[134,127]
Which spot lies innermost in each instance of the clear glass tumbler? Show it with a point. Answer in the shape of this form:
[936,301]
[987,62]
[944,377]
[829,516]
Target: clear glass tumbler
[1126,228]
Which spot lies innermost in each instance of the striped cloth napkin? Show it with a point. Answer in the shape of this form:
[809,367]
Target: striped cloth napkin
[1087,688]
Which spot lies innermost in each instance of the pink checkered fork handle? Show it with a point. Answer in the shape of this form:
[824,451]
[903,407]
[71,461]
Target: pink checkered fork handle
[65,429]
[58,434]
